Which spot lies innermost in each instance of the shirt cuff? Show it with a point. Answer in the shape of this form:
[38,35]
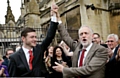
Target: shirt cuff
[59,22]
[53,18]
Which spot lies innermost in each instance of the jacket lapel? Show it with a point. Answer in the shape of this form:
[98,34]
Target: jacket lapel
[36,53]
[90,53]
[23,58]
[76,56]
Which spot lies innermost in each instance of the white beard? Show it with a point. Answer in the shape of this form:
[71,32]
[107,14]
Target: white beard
[85,44]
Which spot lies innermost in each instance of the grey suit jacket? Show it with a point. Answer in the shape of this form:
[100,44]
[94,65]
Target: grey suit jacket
[94,64]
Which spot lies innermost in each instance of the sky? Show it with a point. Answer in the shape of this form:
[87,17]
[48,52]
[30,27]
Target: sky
[15,7]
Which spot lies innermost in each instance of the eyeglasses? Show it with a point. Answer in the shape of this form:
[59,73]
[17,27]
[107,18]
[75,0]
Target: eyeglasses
[110,41]
[95,37]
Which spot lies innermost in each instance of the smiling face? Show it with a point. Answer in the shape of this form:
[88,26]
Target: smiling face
[30,40]
[111,42]
[29,37]
[58,52]
[85,36]
[96,39]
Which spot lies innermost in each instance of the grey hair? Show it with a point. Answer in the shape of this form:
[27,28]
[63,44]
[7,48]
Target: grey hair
[113,35]
[86,27]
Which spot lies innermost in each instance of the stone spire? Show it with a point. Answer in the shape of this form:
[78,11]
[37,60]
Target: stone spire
[8,2]
[9,16]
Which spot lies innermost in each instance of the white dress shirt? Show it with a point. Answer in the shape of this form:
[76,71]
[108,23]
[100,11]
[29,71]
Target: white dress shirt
[27,55]
[54,19]
[85,54]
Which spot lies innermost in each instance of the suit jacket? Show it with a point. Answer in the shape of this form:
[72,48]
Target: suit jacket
[115,53]
[94,64]
[18,66]
[112,67]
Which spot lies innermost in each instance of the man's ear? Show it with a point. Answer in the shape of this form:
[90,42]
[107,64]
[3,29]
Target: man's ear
[92,36]
[22,38]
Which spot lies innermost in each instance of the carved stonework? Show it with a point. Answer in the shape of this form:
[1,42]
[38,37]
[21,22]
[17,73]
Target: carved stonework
[9,16]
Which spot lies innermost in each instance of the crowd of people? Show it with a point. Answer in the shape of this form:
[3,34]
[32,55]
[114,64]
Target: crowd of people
[86,57]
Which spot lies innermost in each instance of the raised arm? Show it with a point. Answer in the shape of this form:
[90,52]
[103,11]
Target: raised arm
[63,31]
[66,49]
[51,32]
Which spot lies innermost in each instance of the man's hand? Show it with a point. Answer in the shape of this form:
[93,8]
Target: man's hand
[2,72]
[64,64]
[110,53]
[54,11]
[47,61]
[59,67]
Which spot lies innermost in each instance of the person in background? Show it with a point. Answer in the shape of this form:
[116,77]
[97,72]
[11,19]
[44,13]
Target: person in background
[112,43]
[89,60]
[50,51]
[96,38]
[48,55]
[60,57]
[3,68]
[112,65]
[8,52]
[66,49]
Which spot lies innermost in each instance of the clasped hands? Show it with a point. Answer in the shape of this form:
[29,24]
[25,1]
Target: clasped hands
[54,12]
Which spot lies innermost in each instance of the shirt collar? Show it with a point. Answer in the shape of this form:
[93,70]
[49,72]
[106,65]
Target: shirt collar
[88,48]
[26,50]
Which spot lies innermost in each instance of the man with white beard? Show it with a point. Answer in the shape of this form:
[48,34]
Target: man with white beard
[89,58]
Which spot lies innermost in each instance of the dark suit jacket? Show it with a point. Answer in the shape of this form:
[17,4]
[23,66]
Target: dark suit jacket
[113,66]
[6,61]
[94,63]
[115,53]
[18,66]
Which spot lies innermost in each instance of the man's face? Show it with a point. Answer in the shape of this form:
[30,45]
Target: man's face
[51,50]
[111,42]
[85,36]
[96,39]
[9,52]
[30,40]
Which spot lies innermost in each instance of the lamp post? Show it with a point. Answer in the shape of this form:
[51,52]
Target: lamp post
[113,6]
[94,8]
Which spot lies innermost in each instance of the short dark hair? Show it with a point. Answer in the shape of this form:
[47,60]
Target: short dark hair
[96,34]
[8,49]
[26,30]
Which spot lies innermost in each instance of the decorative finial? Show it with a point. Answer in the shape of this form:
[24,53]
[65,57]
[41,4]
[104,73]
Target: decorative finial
[8,2]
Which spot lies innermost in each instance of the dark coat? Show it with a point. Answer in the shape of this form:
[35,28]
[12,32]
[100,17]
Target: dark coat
[18,66]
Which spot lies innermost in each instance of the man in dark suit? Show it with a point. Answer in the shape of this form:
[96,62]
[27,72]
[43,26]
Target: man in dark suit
[112,42]
[112,65]
[97,40]
[20,65]
[94,58]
